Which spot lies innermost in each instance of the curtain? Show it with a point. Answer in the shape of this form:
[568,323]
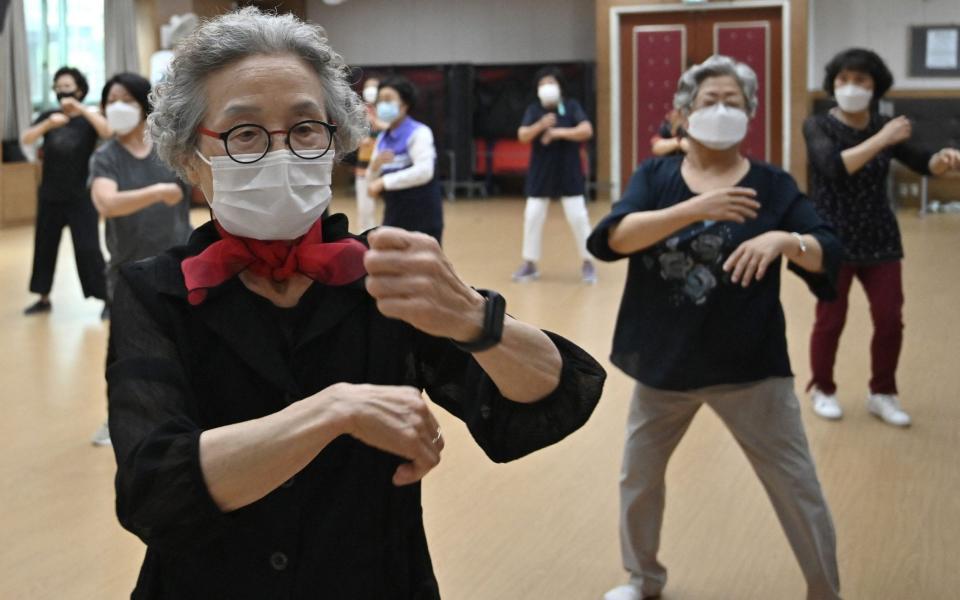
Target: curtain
[15,76]
[120,37]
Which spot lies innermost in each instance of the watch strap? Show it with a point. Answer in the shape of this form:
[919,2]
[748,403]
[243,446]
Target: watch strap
[494,312]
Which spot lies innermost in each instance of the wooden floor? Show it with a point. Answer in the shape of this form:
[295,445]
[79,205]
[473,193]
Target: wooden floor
[543,528]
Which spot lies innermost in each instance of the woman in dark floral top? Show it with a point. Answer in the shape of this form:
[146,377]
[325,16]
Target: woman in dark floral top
[849,150]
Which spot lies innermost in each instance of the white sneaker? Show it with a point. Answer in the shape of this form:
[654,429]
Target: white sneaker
[624,592]
[826,405]
[887,407]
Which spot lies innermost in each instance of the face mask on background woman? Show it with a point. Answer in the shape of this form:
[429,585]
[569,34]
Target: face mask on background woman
[123,117]
[388,111]
[370,94]
[853,98]
[718,126]
[549,94]
[279,197]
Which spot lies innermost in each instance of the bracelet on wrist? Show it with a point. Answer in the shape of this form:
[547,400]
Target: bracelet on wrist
[803,243]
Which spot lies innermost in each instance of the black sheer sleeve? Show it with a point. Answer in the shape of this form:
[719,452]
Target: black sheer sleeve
[637,198]
[823,152]
[161,494]
[914,157]
[508,430]
[801,217]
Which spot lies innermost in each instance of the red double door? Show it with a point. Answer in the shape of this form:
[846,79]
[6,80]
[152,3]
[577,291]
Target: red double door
[655,48]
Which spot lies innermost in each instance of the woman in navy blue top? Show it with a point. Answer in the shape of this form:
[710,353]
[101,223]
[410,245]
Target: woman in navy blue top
[555,126]
[701,322]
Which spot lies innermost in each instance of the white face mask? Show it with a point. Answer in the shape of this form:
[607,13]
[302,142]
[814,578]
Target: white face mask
[279,197]
[370,94]
[853,98]
[718,126]
[123,117]
[549,94]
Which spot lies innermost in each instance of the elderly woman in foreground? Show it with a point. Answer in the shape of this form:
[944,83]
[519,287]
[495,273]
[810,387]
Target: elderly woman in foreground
[701,321]
[265,397]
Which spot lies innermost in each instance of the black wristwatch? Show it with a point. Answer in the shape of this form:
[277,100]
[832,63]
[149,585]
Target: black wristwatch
[493,315]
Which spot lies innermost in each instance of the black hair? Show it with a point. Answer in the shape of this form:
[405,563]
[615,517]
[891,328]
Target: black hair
[550,72]
[406,90]
[78,78]
[864,61]
[138,86]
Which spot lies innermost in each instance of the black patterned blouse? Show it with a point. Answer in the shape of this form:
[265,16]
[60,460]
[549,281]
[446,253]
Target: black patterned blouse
[857,205]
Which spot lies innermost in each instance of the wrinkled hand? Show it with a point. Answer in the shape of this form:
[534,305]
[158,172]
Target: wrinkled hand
[169,193]
[897,130]
[375,188]
[750,261]
[411,280]
[726,204]
[57,120]
[945,160]
[395,419]
[71,106]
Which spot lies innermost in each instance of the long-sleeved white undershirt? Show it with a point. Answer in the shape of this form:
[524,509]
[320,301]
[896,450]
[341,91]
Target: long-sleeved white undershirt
[418,163]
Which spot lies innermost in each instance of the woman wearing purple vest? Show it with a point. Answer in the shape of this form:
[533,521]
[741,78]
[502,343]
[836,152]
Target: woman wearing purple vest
[402,166]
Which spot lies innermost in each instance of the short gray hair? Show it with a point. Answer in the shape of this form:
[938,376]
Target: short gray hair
[179,101]
[715,66]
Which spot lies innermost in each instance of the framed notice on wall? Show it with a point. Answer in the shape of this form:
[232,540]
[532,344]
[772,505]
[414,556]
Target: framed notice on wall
[935,51]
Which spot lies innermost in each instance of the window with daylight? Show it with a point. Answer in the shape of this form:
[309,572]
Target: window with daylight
[64,33]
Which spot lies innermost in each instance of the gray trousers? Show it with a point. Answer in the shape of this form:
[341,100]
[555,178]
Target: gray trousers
[764,417]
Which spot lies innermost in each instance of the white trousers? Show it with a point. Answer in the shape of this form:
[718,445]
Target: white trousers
[366,206]
[535,215]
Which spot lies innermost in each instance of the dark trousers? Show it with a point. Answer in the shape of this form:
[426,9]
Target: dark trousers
[82,218]
[416,209]
[884,288]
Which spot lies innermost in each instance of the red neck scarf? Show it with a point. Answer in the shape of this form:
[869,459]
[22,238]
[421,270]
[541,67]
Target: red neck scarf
[330,263]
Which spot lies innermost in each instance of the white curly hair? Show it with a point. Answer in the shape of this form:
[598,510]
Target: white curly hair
[716,66]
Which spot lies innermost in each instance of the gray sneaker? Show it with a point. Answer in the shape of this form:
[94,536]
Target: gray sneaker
[102,436]
[527,272]
[588,272]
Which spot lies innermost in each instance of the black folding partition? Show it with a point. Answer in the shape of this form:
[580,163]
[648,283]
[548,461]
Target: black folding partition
[502,93]
[439,105]
[463,103]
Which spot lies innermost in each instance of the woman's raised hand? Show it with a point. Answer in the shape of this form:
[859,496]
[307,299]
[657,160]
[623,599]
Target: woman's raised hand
[411,280]
[169,193]
[382,158]
[947,159]
[725,204]
[395,419]
[750,261]
[896,130]
[57,120]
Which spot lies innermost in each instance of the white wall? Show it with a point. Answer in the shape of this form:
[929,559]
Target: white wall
[881,25]
[447,31]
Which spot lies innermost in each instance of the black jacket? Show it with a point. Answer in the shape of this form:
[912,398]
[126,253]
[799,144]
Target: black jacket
[338,529]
